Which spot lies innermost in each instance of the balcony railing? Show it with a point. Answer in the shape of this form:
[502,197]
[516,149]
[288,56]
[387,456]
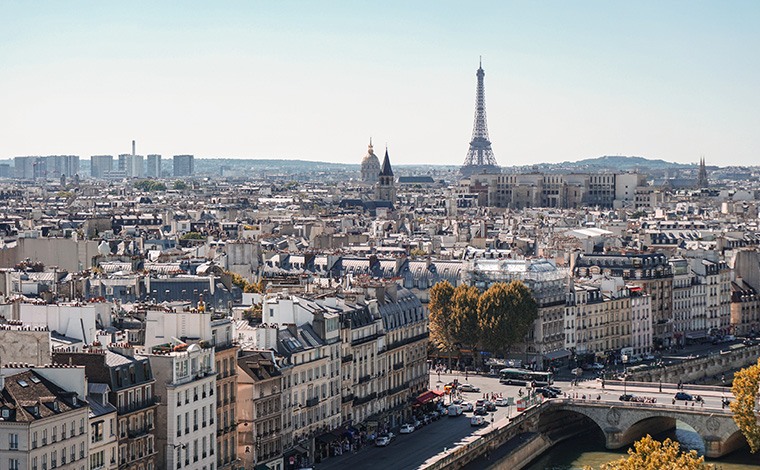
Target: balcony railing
[364,378]
[365,399]
[137,406]
[312,401]
[366,339]
[137,433]
[347,398]
[406,341]
[398,366]
[347,358]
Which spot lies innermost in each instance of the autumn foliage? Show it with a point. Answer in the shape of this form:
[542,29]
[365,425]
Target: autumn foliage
[745,390]
[493,321]
[649,454]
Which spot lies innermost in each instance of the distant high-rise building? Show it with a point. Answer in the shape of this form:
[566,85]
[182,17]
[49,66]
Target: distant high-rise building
[154,166]
[53,166]
[100,164]
[24,166]
[480,157]
[184,165]
[132,164]
[62,165]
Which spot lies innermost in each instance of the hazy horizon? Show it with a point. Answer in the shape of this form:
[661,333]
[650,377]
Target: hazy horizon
[314,81]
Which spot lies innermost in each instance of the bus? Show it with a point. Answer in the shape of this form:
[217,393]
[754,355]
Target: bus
[525,377]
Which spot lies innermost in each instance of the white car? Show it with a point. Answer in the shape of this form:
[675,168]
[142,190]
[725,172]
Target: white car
[467,406]
[501,401]
[477,421]
[406,429]
[382,441]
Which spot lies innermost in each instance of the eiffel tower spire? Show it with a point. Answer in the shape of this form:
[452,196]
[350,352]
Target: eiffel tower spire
[480,156]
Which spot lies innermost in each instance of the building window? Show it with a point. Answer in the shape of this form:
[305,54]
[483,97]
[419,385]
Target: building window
[13,464]
[13,441]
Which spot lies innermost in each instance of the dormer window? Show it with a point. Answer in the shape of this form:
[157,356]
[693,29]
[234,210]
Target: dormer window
[5,413]
[55,406]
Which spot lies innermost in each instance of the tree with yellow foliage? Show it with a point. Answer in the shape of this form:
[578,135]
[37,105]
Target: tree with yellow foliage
[649,454]
[745,390]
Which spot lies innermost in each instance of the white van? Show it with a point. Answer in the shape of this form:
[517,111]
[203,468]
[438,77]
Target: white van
[477,421]
[455,410]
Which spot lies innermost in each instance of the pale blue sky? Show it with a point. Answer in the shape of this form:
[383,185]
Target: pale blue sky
[565,80]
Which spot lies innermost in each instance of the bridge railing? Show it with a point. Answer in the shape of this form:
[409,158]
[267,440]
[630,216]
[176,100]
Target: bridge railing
[674,387]
[634,404]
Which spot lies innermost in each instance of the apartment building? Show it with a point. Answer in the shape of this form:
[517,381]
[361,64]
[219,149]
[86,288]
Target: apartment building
[185,426]
[651,272]
[225,352]
[44,419]
[104,439]
[130,386]
[260,410]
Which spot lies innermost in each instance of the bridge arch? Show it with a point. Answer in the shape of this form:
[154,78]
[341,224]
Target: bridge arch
[558,424]
[622,424]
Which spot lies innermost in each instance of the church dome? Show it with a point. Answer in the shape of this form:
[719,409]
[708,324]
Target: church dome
[370,166]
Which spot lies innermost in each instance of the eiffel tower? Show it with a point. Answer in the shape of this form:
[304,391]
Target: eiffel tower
[480,157]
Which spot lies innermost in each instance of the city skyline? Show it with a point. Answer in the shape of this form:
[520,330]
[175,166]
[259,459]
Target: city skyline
[301,81]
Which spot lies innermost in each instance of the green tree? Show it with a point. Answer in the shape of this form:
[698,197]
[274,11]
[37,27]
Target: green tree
[465,328]
[745,389]
[180,185]
[649,454]
[439,321]
[506,313]
[417,252]
[149,186]
[192,236]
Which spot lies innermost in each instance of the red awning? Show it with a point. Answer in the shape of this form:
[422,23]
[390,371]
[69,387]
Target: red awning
[429,395]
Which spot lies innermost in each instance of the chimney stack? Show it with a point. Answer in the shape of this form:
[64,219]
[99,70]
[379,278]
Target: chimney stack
[133,148]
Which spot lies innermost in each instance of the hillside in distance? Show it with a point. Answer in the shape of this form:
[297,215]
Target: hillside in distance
[626,163]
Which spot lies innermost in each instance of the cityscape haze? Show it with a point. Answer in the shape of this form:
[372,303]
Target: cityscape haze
[566,81]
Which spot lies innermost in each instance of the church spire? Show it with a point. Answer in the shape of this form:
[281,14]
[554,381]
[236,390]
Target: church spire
[702,175]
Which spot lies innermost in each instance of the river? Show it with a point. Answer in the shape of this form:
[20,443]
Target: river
[575,453]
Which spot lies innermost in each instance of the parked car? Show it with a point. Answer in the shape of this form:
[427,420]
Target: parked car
[480,410]
[501,401]
[435,415]
[683,396]
[467,406]
[597,366]
[626,397]
[469,388]
[382,441]
[480,402]
[406,428]
[477,421]
[426,419]
[648,357]
[554,389]
[417,424]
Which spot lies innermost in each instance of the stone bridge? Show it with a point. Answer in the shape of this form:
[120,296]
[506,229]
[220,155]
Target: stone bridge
[623,423]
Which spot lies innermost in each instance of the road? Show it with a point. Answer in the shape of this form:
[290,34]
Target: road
[428,443]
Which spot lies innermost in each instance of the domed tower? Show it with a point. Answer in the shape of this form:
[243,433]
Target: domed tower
[370,166]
